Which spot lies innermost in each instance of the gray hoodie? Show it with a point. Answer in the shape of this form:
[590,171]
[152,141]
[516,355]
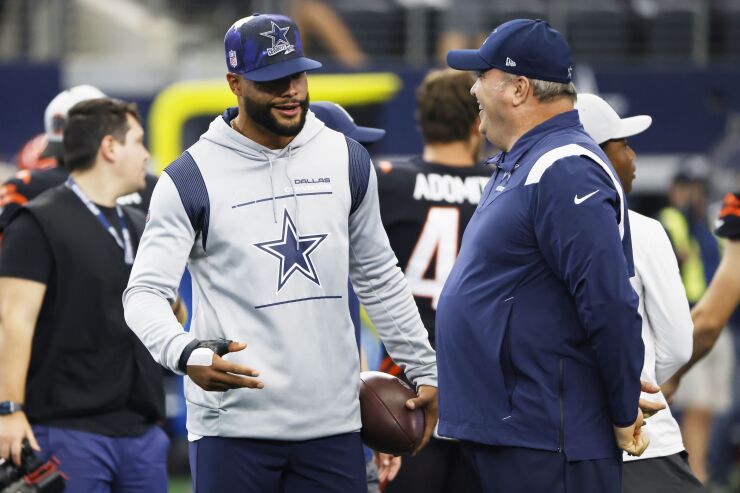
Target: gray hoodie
[270,238]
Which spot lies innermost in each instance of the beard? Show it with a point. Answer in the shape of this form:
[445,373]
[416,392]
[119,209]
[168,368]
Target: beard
[262,115]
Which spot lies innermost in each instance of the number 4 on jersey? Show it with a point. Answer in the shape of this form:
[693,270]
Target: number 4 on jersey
[437,242]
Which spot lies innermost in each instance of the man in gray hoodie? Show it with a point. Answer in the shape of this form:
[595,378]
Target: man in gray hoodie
[272,212]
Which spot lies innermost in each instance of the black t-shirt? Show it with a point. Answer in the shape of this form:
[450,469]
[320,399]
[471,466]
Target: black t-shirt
[729,217]
[26,253]
[425,208]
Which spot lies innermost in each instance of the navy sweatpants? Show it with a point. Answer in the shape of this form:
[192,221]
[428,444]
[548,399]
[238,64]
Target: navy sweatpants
[100,464]
[333,464]
[520,470]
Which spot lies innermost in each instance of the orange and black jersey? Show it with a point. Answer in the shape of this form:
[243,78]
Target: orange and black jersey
[23,187]
[425,208]
[728,225]
[27,185]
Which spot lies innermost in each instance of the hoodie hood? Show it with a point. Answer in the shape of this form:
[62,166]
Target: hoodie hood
[220,133]
[256,155]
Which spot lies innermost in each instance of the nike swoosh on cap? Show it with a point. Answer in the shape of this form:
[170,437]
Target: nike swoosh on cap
[579,200]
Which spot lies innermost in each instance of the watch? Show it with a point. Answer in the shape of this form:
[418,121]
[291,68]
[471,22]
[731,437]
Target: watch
[9,407]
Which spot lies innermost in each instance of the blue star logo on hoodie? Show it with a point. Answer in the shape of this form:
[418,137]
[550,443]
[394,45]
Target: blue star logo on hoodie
[293,251]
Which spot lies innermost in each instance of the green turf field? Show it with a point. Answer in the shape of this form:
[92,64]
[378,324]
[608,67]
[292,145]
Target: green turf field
[180,484]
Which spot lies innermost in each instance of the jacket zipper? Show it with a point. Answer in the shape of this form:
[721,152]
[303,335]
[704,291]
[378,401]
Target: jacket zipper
[561,385]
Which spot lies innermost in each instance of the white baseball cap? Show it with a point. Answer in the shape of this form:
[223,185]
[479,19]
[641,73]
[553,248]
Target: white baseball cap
[56,114]
[603,123]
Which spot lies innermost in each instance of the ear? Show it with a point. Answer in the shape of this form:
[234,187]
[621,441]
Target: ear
[108,148]
[521,93]
[235,85]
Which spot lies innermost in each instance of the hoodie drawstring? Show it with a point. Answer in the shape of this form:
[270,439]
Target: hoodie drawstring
[290,180]
[272,189]
[292,188]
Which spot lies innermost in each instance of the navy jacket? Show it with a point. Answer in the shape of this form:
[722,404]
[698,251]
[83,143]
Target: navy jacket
[538,335]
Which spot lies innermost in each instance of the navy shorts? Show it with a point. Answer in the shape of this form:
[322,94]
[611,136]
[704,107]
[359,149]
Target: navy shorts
[100,464]
[333,464]
[520,470]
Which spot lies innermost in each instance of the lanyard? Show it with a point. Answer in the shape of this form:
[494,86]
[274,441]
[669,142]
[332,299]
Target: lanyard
[125,244]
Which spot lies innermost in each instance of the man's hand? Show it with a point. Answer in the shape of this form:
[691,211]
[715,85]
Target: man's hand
[427,400]
[14,428]
[647,407]
[631,439]
[388,466]
[223,375]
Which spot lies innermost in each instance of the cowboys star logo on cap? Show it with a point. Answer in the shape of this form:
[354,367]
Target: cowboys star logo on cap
[248,53]
[279,42]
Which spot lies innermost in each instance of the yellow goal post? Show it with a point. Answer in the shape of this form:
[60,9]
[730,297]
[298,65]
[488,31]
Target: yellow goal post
[182,101]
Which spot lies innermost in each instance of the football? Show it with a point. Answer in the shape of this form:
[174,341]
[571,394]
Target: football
[387,424]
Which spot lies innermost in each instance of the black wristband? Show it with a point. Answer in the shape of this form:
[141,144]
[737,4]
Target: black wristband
[182,363]
[218,346]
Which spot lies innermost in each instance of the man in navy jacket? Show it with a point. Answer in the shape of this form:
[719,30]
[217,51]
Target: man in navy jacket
[538,334]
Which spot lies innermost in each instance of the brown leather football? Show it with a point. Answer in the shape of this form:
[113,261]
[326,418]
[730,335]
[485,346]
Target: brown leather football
[387,424]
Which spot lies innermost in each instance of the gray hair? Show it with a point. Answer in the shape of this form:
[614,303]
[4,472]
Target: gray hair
[545,90]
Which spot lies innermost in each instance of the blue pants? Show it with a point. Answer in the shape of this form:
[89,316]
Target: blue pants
[520,470]
[334,464]
[100,464]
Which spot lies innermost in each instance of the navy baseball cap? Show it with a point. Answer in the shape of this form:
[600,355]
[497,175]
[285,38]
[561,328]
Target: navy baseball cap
[522,47]
[336,118]
[265,47]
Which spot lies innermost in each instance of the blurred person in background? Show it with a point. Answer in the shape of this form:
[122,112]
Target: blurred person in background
[385,466]
[705,391]
[666,321]
[426,202]
[464,25]
[76,383]
[318,21]
[41,160]
[540,406]
[713,312]
[33,156]
[290,419]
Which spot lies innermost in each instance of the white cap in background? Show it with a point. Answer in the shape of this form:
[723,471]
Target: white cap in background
[56,114]
[602,123]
